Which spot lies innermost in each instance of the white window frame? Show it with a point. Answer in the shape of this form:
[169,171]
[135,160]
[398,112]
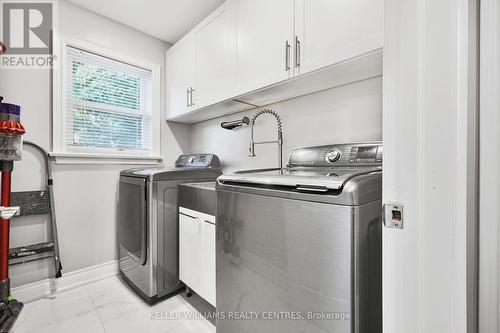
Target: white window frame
[61,153]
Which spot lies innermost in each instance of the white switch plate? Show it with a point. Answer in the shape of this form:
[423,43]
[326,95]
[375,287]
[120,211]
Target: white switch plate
[393,215]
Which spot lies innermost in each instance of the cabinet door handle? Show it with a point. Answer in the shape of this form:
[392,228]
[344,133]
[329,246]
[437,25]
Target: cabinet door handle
[287,56]
[187,97]
[187,215]
[297,52]
[192,91]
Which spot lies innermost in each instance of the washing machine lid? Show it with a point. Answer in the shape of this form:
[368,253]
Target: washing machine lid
[145,173]
[305,179]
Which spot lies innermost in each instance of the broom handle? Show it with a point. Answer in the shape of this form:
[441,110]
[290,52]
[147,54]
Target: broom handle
[5,224]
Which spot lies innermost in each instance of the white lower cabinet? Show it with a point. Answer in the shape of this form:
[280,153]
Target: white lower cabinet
[197,252]
[208,264]
[189,250]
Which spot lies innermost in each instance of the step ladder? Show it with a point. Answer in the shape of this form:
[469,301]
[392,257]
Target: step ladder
[38,203]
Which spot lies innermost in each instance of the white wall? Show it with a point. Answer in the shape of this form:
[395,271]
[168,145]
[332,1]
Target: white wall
[345,114]
[85,195]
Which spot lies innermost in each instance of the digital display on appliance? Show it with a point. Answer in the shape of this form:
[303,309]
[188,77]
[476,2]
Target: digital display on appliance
[367,152]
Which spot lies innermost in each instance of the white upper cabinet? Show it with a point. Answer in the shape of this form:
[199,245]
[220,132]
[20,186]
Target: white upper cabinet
[329,31]
[180,77]
[216,57]
[250,53]
[265,41]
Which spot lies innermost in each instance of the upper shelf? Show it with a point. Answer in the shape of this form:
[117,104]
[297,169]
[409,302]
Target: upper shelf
[349,71]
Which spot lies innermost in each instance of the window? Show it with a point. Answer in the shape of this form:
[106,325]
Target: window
[108,105]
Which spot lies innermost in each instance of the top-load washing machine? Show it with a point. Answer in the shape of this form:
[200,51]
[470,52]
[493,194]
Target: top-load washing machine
[299,249]
[148,226]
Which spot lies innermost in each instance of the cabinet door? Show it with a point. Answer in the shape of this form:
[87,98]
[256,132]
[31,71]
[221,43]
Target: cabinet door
[216,57]
[209,273]
[330,31]
[190,251]
[180,77]
[265,42]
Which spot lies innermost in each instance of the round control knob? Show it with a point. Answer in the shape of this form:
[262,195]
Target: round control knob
[333,156]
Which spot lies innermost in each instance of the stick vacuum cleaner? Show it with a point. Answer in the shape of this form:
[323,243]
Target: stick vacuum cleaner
[11,143]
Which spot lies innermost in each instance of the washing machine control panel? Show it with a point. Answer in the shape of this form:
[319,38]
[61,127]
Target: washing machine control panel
[366,154]
[357,154]
[333,156]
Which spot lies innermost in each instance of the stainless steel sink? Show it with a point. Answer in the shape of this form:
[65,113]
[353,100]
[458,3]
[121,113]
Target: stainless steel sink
[200,197]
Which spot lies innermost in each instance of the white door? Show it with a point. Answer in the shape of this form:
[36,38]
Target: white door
[190,251]
[209,272]
[265,41]
[330,31]
[216,57]
[489,168]
[429,115]
[180,77]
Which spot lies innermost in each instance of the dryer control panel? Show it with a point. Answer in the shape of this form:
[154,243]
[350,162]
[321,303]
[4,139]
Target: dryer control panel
[197,161]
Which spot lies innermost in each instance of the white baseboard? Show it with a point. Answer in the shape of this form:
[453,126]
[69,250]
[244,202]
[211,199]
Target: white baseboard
[51,287]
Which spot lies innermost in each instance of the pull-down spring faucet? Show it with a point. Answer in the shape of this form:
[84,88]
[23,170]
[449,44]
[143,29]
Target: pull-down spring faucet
[280,135]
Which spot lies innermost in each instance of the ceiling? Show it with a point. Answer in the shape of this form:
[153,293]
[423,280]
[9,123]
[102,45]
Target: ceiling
[167,20]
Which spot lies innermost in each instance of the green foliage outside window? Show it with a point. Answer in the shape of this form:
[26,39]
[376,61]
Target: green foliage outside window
[95,127]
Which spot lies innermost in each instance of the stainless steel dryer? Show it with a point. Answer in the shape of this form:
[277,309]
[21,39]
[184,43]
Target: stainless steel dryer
[300,248]
[148,227]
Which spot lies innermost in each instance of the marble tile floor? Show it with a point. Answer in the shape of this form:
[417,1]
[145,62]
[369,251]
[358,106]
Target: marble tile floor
[109,306]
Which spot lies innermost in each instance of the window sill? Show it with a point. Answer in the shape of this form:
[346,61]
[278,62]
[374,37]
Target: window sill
[85,158]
